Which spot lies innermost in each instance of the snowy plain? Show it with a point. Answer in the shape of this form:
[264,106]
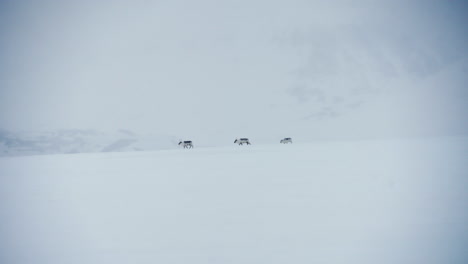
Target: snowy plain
[374,201]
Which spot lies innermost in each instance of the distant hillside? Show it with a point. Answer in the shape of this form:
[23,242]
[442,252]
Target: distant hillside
[78,141]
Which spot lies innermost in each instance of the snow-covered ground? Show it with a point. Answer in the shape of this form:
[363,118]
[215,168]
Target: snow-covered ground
[386,201]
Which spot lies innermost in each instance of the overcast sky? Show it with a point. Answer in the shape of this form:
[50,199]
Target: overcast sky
[199,69]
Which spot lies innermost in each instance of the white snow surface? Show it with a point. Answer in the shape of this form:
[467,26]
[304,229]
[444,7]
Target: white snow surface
[376,201]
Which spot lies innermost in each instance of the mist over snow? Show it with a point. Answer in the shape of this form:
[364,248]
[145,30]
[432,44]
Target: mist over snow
[211,71]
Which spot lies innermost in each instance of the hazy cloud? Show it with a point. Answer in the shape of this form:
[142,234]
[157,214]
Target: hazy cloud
[214,68]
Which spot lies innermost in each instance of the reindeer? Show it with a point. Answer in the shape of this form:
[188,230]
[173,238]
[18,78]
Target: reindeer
[242,141]
[186,144]
[286,140]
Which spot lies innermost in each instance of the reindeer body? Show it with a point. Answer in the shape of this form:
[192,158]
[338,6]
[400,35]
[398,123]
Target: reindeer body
[186,144]
[242,141]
